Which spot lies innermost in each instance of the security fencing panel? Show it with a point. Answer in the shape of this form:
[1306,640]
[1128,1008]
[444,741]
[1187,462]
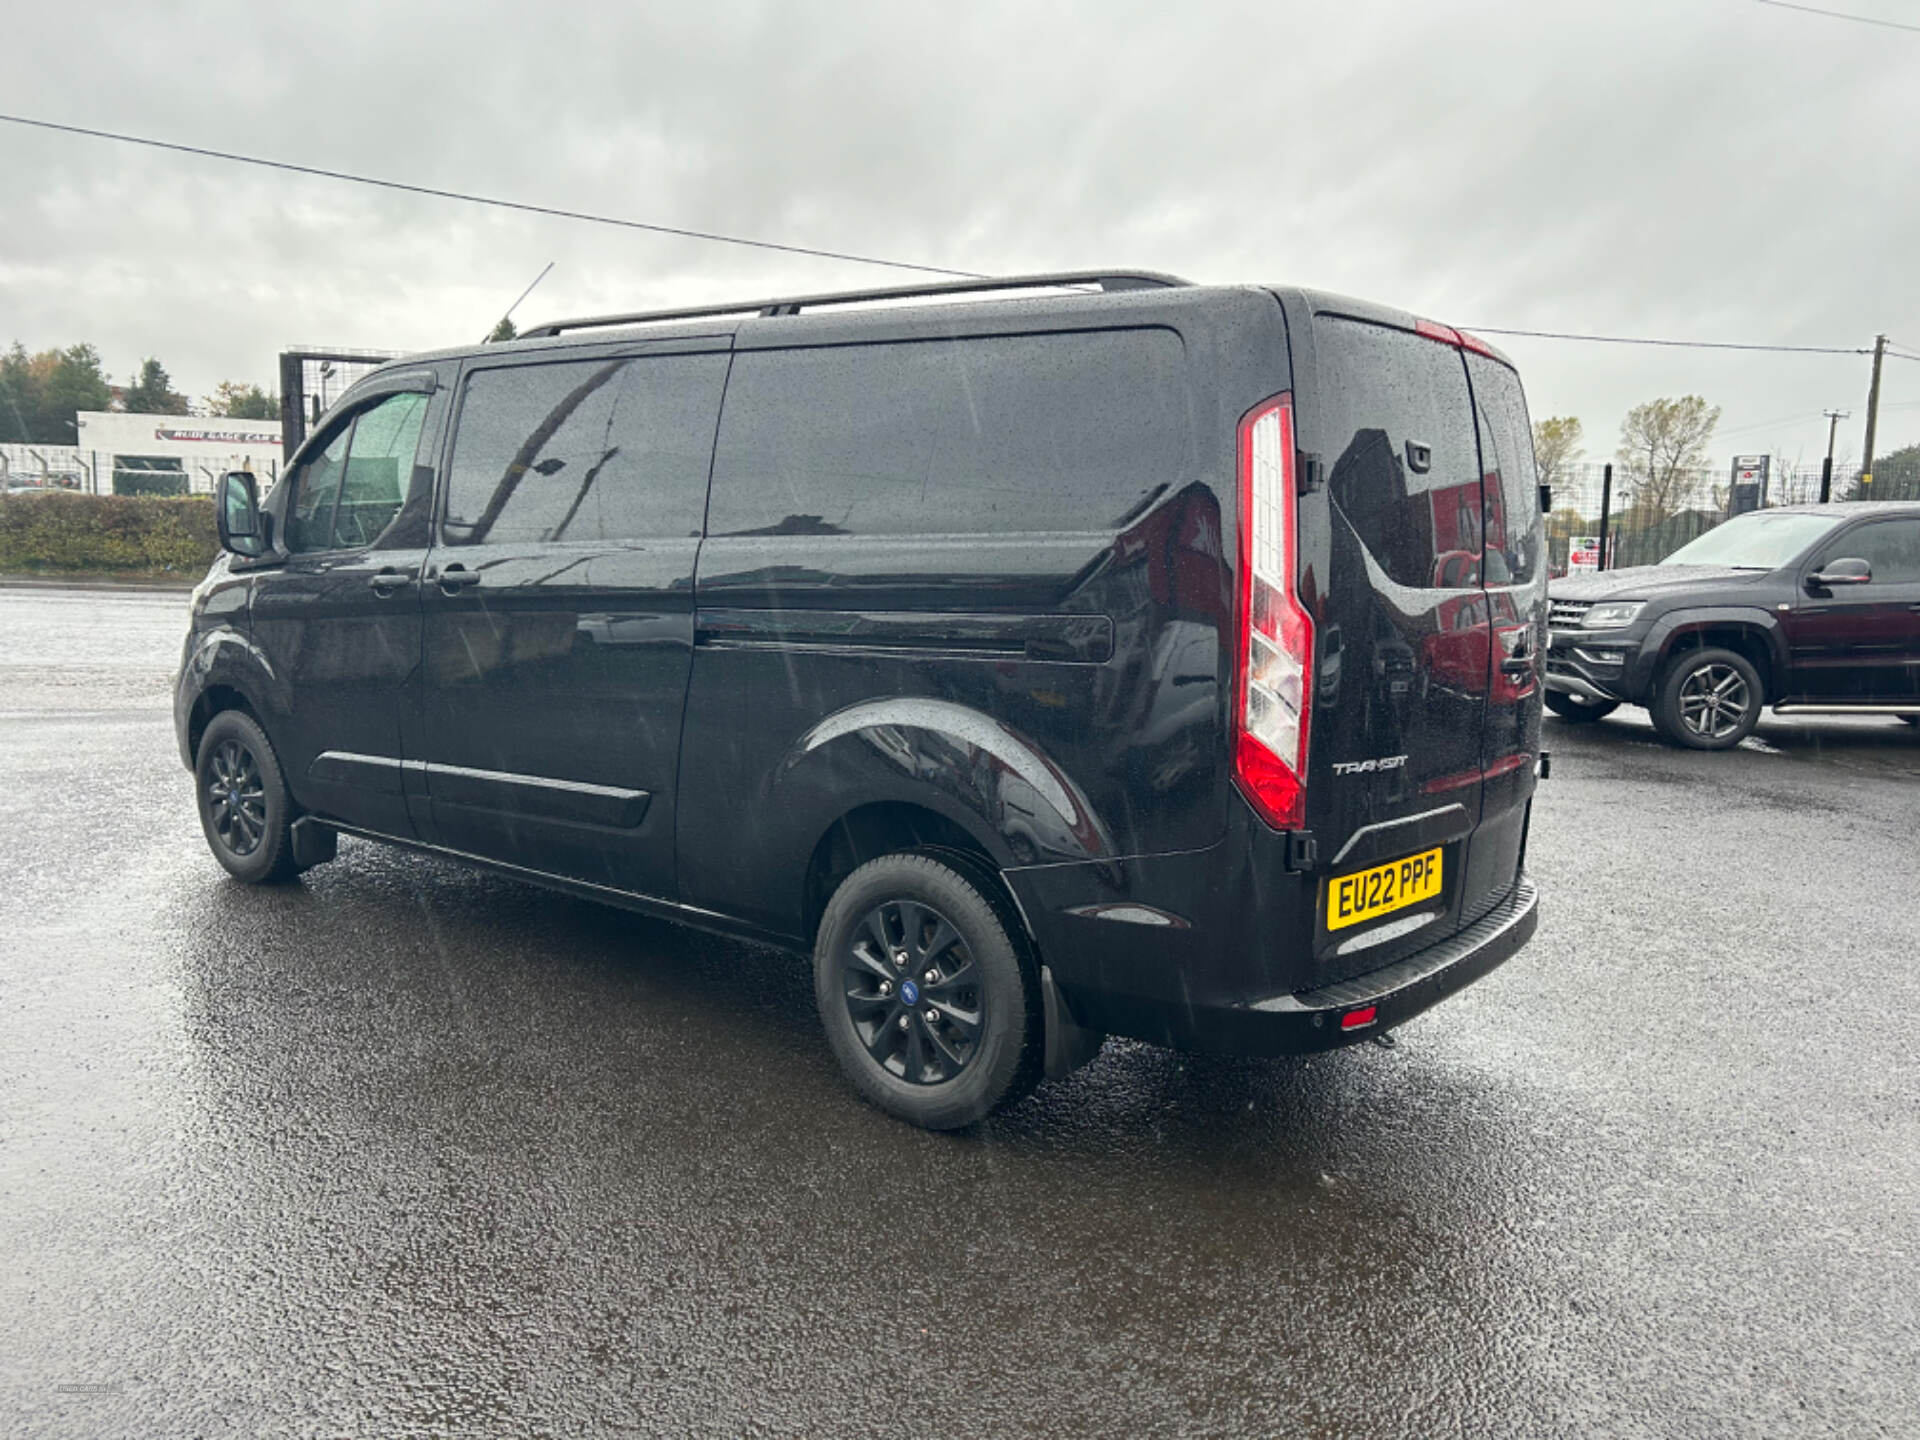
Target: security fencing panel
[1648,517]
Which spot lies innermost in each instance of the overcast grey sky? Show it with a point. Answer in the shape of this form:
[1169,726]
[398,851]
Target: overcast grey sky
[1714,169]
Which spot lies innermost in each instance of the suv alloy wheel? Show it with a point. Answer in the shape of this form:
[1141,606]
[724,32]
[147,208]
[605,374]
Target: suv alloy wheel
[1708,699]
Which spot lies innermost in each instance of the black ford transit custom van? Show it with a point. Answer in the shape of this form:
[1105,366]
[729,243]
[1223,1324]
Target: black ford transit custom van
[1090,654]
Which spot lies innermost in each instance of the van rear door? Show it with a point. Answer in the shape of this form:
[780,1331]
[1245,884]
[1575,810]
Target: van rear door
[1402,646]
[1514,574]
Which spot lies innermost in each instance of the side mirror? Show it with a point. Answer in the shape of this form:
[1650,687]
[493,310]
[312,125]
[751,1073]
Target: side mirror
[236,515]
[1842,572]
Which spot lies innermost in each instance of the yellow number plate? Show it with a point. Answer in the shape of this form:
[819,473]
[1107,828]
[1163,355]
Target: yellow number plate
[1382,890]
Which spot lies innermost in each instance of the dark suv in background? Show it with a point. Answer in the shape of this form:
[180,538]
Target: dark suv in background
[1115,656]
[1809,609]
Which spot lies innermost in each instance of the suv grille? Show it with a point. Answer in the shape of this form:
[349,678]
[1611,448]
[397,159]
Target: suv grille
[1567,613]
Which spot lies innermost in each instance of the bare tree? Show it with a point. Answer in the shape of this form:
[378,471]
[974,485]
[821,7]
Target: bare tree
[1556,445]
[1663,443]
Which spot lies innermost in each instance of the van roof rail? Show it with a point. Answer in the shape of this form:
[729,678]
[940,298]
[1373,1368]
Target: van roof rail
[1106,280]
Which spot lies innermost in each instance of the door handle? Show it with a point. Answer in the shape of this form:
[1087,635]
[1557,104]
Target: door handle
[385,582]
[456,578]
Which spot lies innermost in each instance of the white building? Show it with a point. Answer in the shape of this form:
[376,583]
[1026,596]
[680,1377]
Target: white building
[201,448]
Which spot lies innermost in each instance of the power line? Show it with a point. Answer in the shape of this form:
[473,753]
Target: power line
[484,199]
[723,239]
[1683,344]
[1837,15]
[1770,424]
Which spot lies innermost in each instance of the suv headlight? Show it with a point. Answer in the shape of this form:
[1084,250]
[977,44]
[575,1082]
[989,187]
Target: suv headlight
[1613,615]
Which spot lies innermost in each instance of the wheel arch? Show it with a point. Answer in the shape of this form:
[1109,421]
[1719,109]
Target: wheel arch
[890,827]
[225,670]
[1752,634]
[214,700]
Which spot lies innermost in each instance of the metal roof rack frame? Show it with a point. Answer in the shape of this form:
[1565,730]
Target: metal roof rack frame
[1108,281]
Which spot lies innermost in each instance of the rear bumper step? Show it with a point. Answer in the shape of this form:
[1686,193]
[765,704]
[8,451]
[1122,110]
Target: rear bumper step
[1351,1010]
[1505,929]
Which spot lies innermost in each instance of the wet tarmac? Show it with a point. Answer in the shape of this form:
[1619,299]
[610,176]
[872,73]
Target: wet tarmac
[402,1150]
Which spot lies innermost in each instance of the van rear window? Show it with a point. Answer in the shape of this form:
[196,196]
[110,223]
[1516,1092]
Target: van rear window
[1404,470]
[995,435]
[1516,533]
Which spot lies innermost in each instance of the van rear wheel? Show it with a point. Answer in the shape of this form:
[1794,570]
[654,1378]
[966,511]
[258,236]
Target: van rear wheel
[928,1004]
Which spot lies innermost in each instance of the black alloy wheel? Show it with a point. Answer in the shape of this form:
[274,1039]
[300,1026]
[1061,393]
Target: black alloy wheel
[1709,700]
[1579,709]
[913,992]
[245,809]
[929,998]
[236,798]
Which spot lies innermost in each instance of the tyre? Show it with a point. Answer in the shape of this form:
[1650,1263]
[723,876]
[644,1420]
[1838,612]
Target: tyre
[1708,700]
[245,809]
[930,1006]
[1578,709]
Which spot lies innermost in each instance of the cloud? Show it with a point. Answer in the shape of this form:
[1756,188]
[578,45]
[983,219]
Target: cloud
[1721,170]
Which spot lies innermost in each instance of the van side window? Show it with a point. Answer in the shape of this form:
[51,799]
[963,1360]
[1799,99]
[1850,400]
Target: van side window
[1404,472]
[998,435]
[379,465]
[606,449]
[316,488]
[346,496]
[1515,530]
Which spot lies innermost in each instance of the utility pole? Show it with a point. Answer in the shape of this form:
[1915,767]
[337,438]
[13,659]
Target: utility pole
[1834,417]
[1606,504]
[1873,414]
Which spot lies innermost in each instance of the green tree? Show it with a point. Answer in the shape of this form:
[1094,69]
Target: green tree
[503,331]
[152,392]
[1556,445]
[237,400]
[17,397]
[39,394]
[1663,444]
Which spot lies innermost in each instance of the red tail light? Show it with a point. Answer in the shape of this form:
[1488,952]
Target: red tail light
[1273,680]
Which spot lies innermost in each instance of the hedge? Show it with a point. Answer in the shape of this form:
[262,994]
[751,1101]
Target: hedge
[103,534]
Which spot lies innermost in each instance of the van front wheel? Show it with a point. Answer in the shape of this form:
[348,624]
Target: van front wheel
[930,1007]
[245,810]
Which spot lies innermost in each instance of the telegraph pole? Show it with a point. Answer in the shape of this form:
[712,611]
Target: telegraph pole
[1834,417]
[1873,414]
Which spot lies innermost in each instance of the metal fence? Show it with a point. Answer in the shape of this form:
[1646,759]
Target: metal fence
[52,467]
[1646,521]
[311,379]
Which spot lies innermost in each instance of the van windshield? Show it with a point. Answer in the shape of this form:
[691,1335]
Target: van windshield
[1760,541]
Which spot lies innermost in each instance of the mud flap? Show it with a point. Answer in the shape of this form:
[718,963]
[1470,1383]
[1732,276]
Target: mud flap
[313,843]
[1069,1045]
